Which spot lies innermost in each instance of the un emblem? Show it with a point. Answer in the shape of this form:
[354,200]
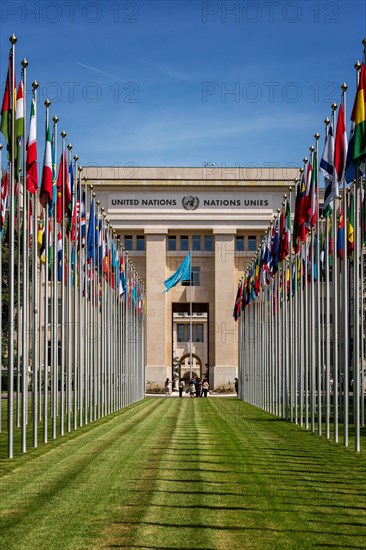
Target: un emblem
[190,202]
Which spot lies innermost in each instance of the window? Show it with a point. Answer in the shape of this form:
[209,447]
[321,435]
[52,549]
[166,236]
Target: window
[128,242]
[252,243]
[184,243]
[208,243]
[239,244]
[195,278]
[180,333]
[196,243]
[172,243]
[140,242]
[199,333]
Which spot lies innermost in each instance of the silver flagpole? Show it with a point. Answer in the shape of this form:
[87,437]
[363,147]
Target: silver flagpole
[98,320]
[86,311]
[63,305]
[80,305]
[345,327]
[190,317]
[356,312]
[46,306]
[19,331]
[70,319]
[54,345]
[25,293]
[35,303]
[327,334]
[318,286]
[11,262]
[76,293]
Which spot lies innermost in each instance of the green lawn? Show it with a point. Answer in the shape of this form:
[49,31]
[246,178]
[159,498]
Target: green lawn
[184,474]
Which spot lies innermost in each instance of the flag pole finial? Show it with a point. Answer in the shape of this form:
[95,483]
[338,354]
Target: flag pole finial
[326,121]
[69,146]
[76,158]
[357,66]
[305,159]
[13,39]
[55,119]
[63,134]
[98,203]
[24,63]
[290,188]
[334,106]
[35,85]
[317,136]
[301,170]
[311,148]
[344,87]
[47,103]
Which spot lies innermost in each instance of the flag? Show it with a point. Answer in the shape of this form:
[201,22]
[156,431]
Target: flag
[359,118]
[122,281]
[90,250]
[31,166]
[4,198]
[350,173]
[340,236]
[350,226]
[286,237]
[6,108]
[340,147]
[41,240]
[19,126]
[183,273]
[326,167]
[82,219]
[45,195]
[62,183]
[237,305]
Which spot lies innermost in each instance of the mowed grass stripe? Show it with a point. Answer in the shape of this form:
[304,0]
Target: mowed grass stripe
[183,474]
[63,498]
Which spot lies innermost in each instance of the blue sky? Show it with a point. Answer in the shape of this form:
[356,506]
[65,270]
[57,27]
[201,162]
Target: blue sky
[179,83]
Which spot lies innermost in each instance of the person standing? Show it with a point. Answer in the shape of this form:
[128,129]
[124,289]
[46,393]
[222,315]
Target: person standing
[236,385]
[205,388]
[192,388]
[168,387]
[181,387]
[198,387]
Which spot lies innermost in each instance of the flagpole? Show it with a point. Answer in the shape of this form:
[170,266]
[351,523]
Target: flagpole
[25,300]
[63,282]
[69,338]
[13,40]
[54,345]
[35,305]
[190,317]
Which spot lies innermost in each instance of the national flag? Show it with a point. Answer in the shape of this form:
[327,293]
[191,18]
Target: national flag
[4,198]
[82,220]
[19,127]
[41,240]
[45,195]
[7,108]
[72,204]
[350,226]
[31,166]
[340,147]
[183,273]
[90,250]
[312,212]
[274,249]
[350,172]
[286,237]
[62,183]
[340,236]
[326,167]
[237,305]
[359,118]
[122,280]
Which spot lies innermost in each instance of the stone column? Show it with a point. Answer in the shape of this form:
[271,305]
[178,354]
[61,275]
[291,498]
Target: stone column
[225,369]
[155,240]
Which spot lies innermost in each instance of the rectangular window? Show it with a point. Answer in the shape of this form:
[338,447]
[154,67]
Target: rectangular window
[195,278]
[196,243]
[184,243]
[140,242]
[180,333]
[172,243]
[252,243]
[208,243]
[239,244]
[128,242]
[199,333]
